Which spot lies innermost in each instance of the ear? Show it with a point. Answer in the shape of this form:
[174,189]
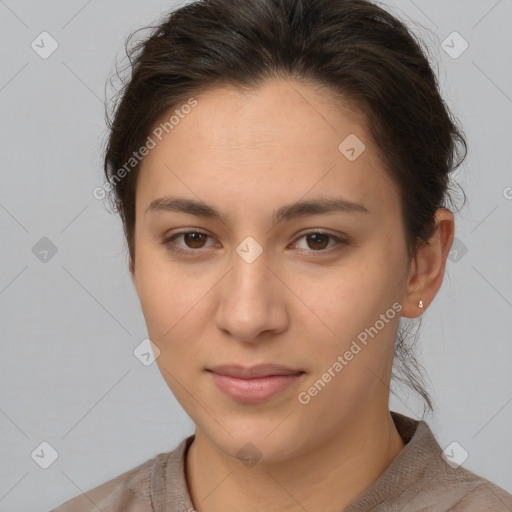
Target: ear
[426,271]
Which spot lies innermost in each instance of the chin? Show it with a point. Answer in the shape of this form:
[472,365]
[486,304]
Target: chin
[258,441]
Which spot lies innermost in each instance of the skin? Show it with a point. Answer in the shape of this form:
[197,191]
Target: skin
[299,304]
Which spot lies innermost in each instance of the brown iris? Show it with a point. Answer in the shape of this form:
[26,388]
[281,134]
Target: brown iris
[195,238]
[316,237]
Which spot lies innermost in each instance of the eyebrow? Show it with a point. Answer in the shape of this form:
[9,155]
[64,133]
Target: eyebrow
[285,213]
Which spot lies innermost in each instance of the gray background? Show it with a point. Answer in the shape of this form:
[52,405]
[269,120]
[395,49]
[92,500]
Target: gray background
[70,324]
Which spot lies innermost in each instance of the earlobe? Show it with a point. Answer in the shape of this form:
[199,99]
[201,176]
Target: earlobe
[428,266]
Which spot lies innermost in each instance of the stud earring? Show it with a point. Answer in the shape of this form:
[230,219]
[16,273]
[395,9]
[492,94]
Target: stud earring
[420,304]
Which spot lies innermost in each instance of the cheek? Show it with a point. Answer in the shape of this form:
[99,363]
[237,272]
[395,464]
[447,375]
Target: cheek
[348,305]
[166,296]
[177,307]
[170,305]
[349,365]
[166,305]
[352,297]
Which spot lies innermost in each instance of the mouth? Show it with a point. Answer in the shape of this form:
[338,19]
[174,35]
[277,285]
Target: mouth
[254,384]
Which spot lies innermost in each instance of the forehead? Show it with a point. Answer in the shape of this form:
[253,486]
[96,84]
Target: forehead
[282,138]
[279,114]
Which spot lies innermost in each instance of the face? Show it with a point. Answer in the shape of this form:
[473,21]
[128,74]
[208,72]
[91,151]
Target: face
[314,288]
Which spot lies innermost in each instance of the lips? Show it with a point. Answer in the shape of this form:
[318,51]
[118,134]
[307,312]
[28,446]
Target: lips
[253,372]
[256,384]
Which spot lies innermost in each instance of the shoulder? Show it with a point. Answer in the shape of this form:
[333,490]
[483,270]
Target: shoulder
[129,491]
[475,493]
[423,479]
[460,490]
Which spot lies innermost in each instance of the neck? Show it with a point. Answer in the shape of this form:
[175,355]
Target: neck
[327,478]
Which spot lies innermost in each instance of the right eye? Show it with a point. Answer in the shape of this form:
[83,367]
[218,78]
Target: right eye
[194,240]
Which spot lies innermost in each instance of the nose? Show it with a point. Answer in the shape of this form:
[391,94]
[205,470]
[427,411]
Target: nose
[252,301]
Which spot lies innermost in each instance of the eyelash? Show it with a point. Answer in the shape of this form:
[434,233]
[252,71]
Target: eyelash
[168,242]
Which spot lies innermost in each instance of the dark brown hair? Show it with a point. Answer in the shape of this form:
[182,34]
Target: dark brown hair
[362,54]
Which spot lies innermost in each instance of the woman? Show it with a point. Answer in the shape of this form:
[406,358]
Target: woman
[281,168]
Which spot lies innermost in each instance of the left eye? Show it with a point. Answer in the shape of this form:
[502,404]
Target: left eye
[194,240]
